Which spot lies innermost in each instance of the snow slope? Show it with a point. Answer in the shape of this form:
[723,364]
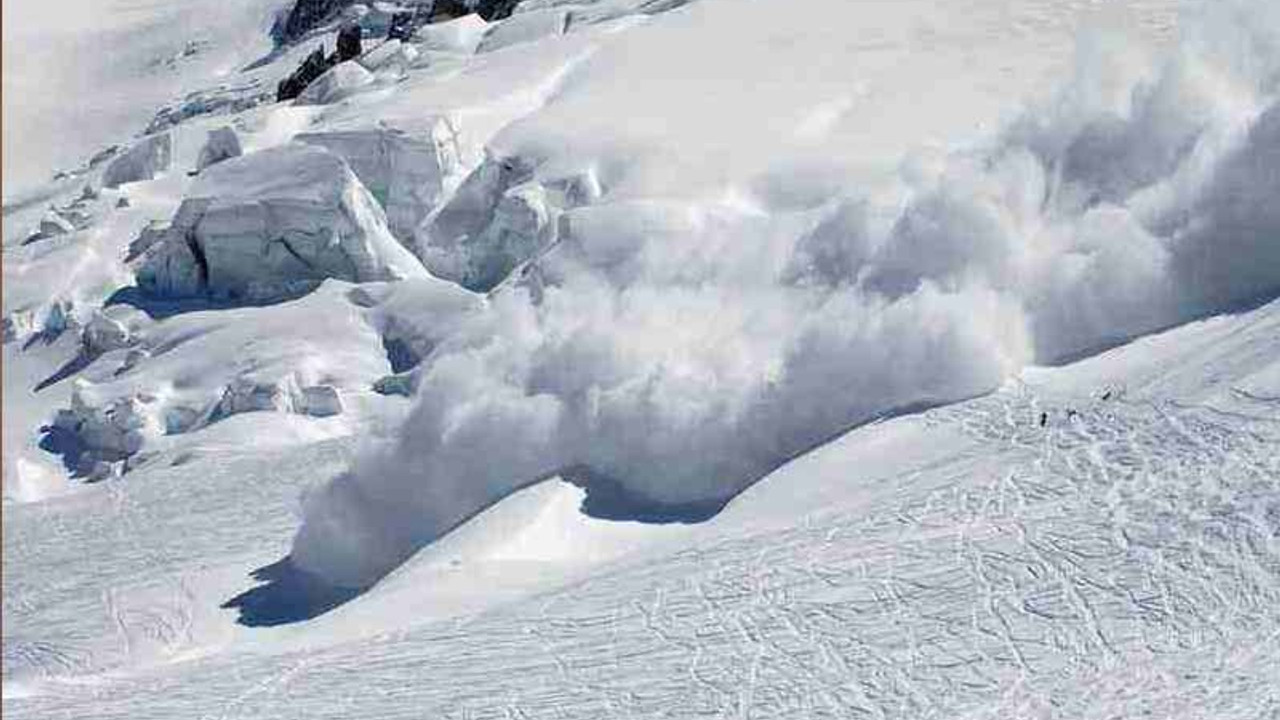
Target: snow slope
[964,562]
[79,76]
[784,358]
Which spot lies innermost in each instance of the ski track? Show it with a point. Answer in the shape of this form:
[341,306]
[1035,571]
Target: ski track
[1125,553]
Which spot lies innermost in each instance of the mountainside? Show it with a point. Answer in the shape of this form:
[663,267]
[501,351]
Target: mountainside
[636,358]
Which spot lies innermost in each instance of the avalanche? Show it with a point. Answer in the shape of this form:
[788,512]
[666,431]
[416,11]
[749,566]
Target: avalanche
[603,358]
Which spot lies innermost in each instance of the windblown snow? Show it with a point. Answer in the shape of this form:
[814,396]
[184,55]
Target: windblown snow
[647,359]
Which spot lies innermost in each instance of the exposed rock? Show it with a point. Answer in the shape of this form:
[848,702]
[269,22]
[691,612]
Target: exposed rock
[312,67]
[403,25]
[339,82]
[445,10]
[143,161]
[350,39]
[272,225]
[406,172]
[122,202]
[222,144]
[306,15]
[492,10]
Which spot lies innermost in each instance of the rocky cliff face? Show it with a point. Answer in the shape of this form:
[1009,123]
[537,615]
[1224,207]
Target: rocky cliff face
[306,15]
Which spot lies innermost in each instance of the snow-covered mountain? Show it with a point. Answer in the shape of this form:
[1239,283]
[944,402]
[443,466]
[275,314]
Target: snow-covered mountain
[642,358]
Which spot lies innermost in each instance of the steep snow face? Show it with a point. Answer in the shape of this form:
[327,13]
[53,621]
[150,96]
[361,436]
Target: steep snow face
[81,76]
[706,319]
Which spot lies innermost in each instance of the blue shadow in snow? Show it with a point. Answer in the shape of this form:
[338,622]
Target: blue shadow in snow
[288,595]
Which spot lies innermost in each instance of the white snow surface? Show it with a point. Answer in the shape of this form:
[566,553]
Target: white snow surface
[770,358]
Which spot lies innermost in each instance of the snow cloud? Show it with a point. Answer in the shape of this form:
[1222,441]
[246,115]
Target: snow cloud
[684,347]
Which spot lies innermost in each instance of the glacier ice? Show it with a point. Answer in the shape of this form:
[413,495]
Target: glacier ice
[272,224]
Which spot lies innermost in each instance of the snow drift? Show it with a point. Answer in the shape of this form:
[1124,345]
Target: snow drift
[681,343]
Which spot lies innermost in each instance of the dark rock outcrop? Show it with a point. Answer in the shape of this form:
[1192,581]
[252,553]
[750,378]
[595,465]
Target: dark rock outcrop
[306,15]
[403,25]
[349,41]
[492,10]
[311,68]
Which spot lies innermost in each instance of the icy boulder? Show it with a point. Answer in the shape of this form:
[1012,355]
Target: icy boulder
[405,171]
[149,157]
[222,144]
[320,401]
[390,55]
[522,226]
[499,218]
[460,36]
[339,82]
[274,224]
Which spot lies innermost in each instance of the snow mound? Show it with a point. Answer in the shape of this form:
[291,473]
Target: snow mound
[406,172]
[681,339]
[148,380]
[272,224]
[143,161]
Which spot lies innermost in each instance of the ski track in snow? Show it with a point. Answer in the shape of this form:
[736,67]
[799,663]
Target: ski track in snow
[1126,554]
